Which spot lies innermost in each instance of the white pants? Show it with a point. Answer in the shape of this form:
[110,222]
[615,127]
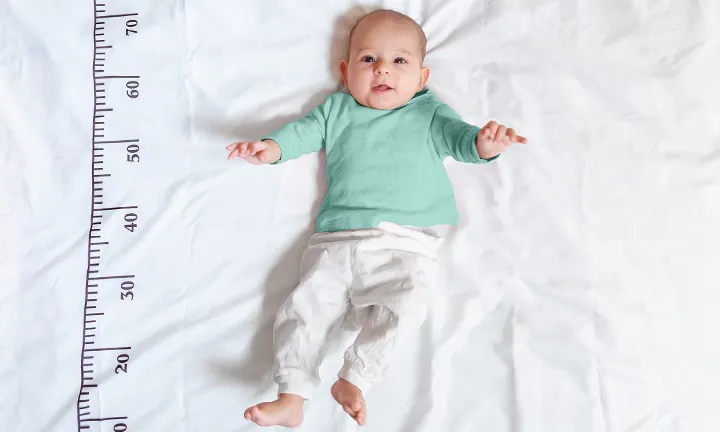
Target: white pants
[381,274]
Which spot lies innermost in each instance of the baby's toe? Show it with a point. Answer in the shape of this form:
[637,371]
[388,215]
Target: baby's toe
[356,406]
[254,413]
[349,410]
[360,418]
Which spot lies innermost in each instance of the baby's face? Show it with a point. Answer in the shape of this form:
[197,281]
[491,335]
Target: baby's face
[384,67]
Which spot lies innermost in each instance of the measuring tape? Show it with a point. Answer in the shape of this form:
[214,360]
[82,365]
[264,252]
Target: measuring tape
[101,361]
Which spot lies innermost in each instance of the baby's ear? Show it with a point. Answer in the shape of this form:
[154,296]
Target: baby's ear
[343,71]
[424,76]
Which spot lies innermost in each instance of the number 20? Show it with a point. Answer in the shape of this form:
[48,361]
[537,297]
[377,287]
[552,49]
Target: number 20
[122,360]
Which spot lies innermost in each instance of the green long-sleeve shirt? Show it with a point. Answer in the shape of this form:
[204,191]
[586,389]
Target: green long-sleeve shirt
[383,165]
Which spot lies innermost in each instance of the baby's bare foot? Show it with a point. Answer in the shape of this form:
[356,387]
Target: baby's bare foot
[351,399]
[286,411]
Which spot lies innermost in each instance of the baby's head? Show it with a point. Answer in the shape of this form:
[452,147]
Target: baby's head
[384,65]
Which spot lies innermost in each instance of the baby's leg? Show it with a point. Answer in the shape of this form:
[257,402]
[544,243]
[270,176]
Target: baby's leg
[393,278]
[302,329]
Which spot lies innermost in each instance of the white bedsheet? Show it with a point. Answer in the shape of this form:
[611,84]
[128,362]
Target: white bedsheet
[579,293]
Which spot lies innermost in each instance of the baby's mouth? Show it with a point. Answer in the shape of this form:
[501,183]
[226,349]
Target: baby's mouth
[381,88]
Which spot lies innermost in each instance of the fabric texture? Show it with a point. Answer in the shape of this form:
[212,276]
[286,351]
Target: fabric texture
[578,294]
[383,165]
[382,274]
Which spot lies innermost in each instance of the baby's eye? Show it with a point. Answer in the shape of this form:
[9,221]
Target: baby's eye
[400,60]
[368,59]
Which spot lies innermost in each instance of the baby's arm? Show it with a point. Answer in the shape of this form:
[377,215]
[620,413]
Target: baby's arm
[291,141]
[452,136]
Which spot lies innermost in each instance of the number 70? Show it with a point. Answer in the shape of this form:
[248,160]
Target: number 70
[128,27]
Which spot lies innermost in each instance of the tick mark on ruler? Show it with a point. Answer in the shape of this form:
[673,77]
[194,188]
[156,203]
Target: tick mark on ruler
[117,141]
[112,277]
[118,76]
[110,349]
[115,208]
[105,419]
[117,15]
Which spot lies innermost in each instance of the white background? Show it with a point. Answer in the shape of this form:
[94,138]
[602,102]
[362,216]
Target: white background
[580,292]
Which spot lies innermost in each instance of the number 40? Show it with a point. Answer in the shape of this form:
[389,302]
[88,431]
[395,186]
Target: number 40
[130,218]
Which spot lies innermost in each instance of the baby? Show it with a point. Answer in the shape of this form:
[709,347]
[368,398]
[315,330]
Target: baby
[375,252]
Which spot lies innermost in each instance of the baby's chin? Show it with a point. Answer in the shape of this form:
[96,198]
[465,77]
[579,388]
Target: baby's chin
[382,102]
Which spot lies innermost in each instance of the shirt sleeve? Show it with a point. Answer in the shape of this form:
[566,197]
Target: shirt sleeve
[303,136]
[451,136]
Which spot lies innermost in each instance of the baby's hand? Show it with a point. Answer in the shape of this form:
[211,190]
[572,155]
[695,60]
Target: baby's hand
[494,139]
[255,152]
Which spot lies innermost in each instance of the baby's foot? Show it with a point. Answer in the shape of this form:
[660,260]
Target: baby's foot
[286,411]
[351,399]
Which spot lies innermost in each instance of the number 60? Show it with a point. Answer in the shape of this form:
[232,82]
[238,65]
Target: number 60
[132,86]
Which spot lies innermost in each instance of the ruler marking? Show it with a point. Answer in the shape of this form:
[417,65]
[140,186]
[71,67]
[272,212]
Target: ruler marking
[116,208]
[112,277]
[116,16]
[109,349]
[118,141]
[102,419]
[102,49]
[119,76]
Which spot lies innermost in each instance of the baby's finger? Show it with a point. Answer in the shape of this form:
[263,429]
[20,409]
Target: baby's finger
[521,139]
[486,133]
[232,146]
[511,134]
[233,154]
[500,134]
[491,129]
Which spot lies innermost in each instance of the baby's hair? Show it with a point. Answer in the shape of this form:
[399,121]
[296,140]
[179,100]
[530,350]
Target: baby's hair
[388,14]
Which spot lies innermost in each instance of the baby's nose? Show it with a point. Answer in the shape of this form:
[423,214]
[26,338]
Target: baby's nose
[382,68]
